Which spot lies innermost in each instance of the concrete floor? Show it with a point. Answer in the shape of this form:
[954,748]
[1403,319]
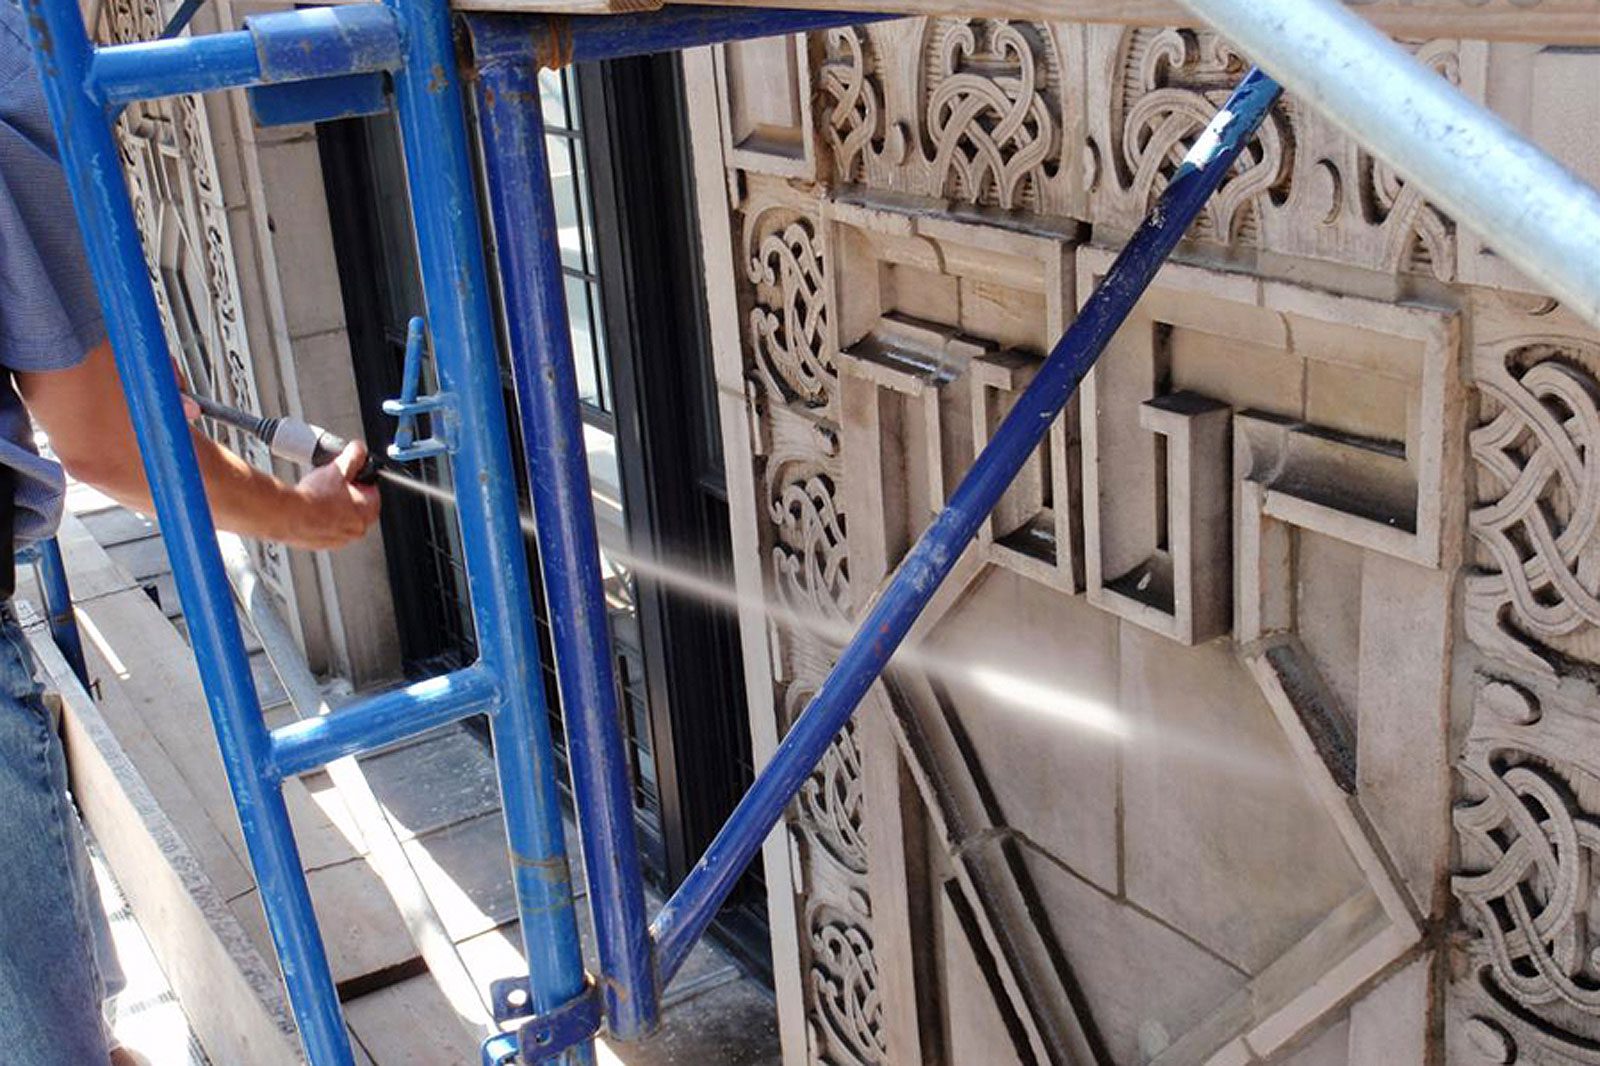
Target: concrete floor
[439,794]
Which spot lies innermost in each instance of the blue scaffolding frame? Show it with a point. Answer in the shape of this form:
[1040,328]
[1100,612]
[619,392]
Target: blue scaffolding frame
[321,62]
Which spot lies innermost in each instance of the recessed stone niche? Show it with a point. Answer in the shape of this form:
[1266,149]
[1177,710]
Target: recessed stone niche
[939,326]
[763,85]
[1228,411]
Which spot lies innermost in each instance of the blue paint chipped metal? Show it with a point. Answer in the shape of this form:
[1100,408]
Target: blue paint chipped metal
[558,1006]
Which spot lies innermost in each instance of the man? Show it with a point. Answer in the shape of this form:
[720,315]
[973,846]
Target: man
[56,964]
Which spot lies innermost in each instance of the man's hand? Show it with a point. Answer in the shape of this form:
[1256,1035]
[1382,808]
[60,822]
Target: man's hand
[336,509]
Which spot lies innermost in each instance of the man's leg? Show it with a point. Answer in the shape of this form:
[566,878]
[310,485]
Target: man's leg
[50,987]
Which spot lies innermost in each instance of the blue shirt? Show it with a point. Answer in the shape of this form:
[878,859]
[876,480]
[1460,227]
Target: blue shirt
[49,314]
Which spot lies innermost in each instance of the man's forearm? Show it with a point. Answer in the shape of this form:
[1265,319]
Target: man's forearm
[243,499]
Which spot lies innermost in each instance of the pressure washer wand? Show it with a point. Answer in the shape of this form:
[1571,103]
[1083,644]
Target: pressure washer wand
[289,438]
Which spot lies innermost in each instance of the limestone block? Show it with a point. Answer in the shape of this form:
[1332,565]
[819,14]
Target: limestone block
[308,274]
[764,85]
[1040,719]
[1394,1023]
[1547,92]
[1534,600]
[1143,982]
[941,324]
[1331,1047]
[1210,789]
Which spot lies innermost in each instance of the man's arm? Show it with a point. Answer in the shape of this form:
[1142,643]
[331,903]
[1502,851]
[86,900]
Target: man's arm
[83,411]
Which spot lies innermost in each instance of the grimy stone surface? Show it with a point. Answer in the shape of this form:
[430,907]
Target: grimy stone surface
[1263,706]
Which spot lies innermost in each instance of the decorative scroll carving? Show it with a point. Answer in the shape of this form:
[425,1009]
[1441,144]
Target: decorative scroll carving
[844,989]
[830,802]
[992,126]
[853,122]
[170,163]
[1421,238]
[1537,522]
[1529,841]
[1171,86]
[809,559]
[791,367]
[789,319]
[1303,186]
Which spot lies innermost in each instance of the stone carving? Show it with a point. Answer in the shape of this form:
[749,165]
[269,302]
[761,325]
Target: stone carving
[1171,84]
[843,981]
[1538,510]
[1302,188]
[791,368]
[170,163]
[830,802]
[789,319]
[1421,238]
[992,128]
[853,122]
[1529,841]
[809,561]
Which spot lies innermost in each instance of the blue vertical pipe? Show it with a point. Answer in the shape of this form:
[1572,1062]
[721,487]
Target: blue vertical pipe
[58,605]
[116,257]
[692,907]
[444,206]
[527,242]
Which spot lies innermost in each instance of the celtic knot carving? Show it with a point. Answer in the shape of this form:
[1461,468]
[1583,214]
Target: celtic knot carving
[1527,905]
[1529,845]
[995,132]
[844,986]
[1539,491]
[1173,83]
[853,120]
[1420,236]
[788,322]
[810,560]
[830,802]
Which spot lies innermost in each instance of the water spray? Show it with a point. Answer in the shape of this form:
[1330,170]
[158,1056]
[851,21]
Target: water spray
[310,445]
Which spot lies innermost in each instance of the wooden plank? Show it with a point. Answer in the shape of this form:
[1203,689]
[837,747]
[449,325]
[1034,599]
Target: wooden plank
[1551,21]
[234,1001]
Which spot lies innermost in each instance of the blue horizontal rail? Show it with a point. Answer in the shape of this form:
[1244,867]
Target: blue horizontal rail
[382,719]
[277,48]
[691,908]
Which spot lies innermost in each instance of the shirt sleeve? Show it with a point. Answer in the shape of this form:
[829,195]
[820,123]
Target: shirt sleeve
[49,313]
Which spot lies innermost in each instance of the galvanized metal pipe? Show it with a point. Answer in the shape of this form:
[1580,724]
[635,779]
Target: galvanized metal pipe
[116,257]
[527,242]
[449,243]
[384,718]
[1533,211]
[925,567]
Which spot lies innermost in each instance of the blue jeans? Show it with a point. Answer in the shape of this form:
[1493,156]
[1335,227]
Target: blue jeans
[57,966]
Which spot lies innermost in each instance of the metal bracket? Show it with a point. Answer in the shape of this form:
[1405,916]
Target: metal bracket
[543,1037]
[406,448]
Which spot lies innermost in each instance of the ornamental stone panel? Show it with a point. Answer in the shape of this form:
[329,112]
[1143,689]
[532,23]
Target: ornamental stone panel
[1252,727]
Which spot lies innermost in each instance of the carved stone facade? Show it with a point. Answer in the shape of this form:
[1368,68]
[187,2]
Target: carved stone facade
[242,264]
[1166,772]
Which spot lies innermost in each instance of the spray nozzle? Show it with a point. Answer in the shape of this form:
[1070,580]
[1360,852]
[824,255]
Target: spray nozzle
[290,438]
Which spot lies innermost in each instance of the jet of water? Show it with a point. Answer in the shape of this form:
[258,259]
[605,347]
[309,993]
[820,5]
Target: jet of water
[1015,687]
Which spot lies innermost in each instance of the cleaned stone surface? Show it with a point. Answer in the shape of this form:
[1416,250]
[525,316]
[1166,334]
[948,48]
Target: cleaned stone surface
[1145,983]
[1223,839]
[1034,713]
